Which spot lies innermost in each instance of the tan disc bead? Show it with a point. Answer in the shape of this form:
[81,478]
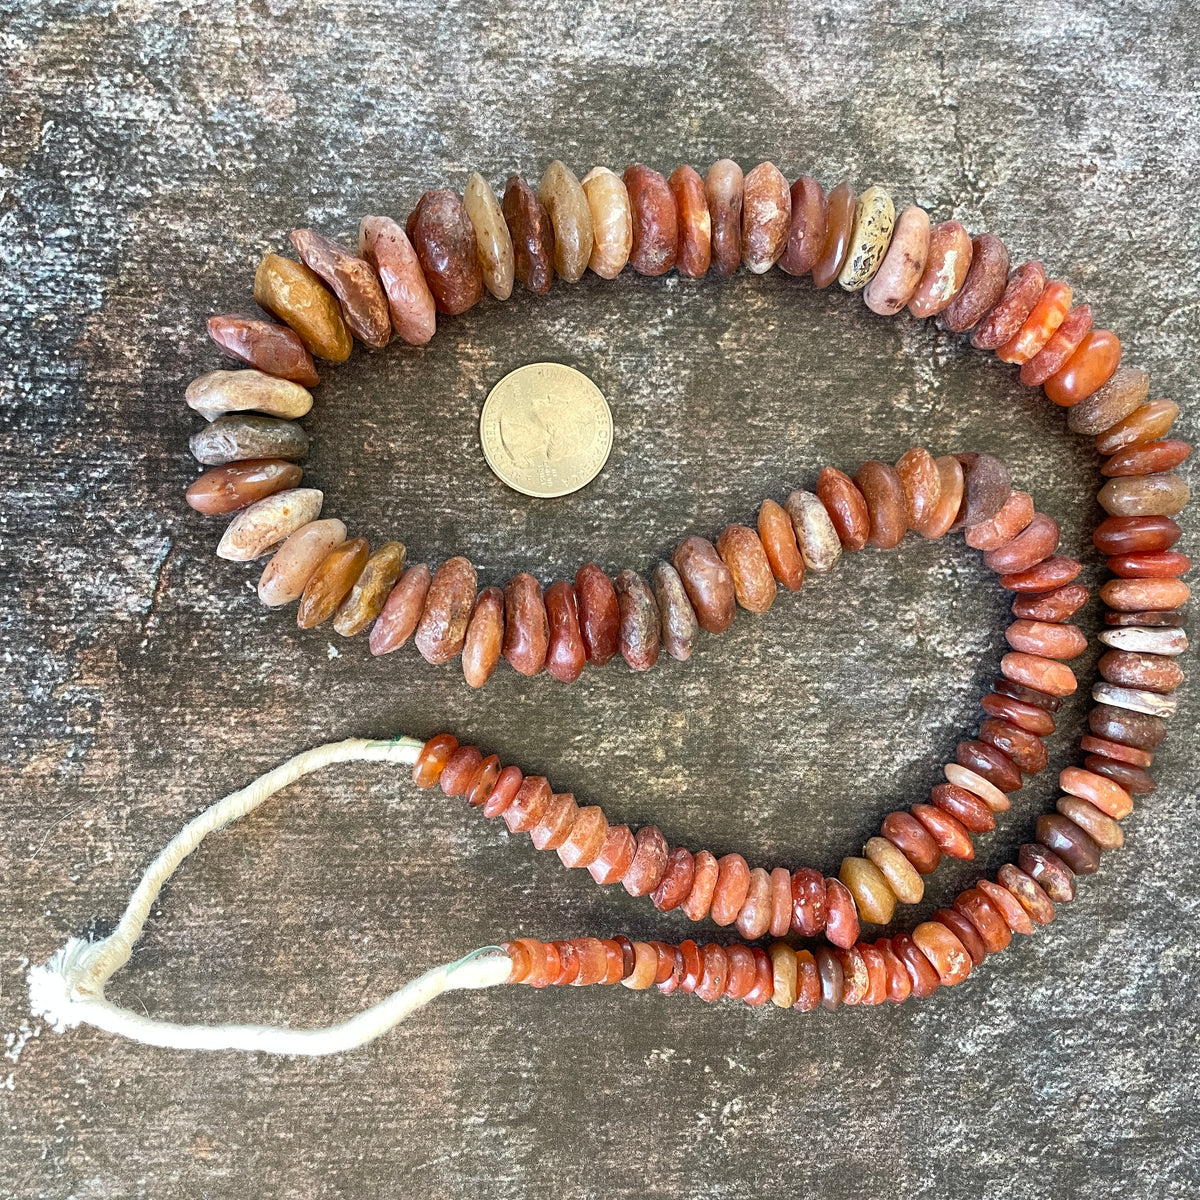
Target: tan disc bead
[1100,827]
[902,265]
[786,972]
[893,865]
[563,197]
[612,221]
[291,566]
[256,530]
[645,967]
[246,391]
[753,581]
[331,582]
[922,484]
[874,220]
[373,586]
[968,780]
[290,291]
[872,894]
[1145,424]
[492,239]
[766,217]
[816,536]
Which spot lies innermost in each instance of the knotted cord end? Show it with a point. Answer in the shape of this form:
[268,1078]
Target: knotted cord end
[52,985]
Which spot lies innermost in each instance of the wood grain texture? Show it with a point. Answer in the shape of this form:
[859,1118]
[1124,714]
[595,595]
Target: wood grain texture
[148,155]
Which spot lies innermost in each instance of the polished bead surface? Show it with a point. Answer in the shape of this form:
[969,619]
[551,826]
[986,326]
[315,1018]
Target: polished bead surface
[1143,730]
[640,621]
[1165,564]
[650,858]
[397,620]
[766,217]
[714,976]
[723,191]
[1135,780]
[1008,906]
[754,917]
[733,884]
[781,901]
[806,236]
[1031,896]
[1050,573]
[922,484]
[1147,458]
[829,972]
[695,223]
[846,507]
[953,483]
[1119,394]
[1136,595]
[1038,328]
[785,974]
[432,760]
[615,855]
[913,840]
[902,265]
[708,582]
[1145,495]
[563,198]
[987,485]
[1053,875]
[585,839]
[1145,424]
[484,639]
[599,613]
[271,348]
[1041,674]
[492,239]
[924,978]
[808,982]
[946,268]
[365,600]
[556,822]
[1022,291]
[753,581]
[960,925]
[1049,639]
[1135,535]
[231,487]
[705,872]
[873,895]
[1099,826]
[256,530]
[977,785]
[612,221]
[883,491]
[526,626]
[1036,542]
[293,293]
[385,245]
[442,235]
[992,764]
[1013,518]
[808,902]
[292,565]
[1058,605]
[1092,365]
[353,280]
[532,236]
[676,883]
[449,603]
[989,923]
[838,223]
[1026,750]
[460,769]
[565,657]
[779,542]
[951,835]
[331,582]
[1072,844]
[1058,350]
[841,914]
[655,221]
[1132,755]
[965,807]
[1024,716]
[816,536]
[983,286]
[902,877]
[870,236]
[679,628]
[945,952]
[899,982]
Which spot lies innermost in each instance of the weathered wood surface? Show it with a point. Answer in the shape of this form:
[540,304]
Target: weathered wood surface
[148,154]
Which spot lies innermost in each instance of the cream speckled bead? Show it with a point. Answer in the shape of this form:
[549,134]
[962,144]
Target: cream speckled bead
[259,528]
[900,272]
[246,391]
[612,221]
[492,238]
[874,220]
[563,197]
[1154,704]
[819,543]
[292,565]
[1146,641]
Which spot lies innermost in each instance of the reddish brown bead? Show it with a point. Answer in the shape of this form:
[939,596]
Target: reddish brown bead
[532,234]
[432,760]
[764,979]
[695,224]
[444,238]
[899,982]
[586,838]
[965,807]
[781,902]
[353,281]
[1069,842]
[839,219]
[565,655]
[1038,328]
[526,626]
[1028,893]
[1106,795]
[987,487]
[1021,293]
[753,581]
[946,268]
[808,902]
[1164,564]
[922,484]
[1092,364]
[841,915]
[808,981]
[568,958]
[270,348]
[484,781]
[1174,619]
[714,978]
[1041,864]
[1049,639]
[806,235]
[1123,725]
[779,542]
[984,284]
[676,882]
[529,805]
[1056,352]
[733,883]
[754,917]
[238,484]
[1026,750]
[988,920]
[1047,575]
[705,873]
[599,613]
[1012,519]
[519,957]
[1133,755]
[766,217]
[460,770]
[708,582]
[1027,695]
[448,607]
[677,619]
[649,865]
[484,637]
[401,611]
[508,783]
[1025,716]
[1101,828]
[953,482]
[655,221]
[592,955]
[1129,668]
[1147,459]
[1145,595]
[924,978]
[1058,605]
[962,929]
[913,840]
[1135,780]
[670,968]
[557,822]
[742,971]
[847,507]
[884,493]
[1146,423]
[1008,906]
[331,582]
[856,981]
[723,190]
[989,762]
[615,857]
[1041,674]
[641,622]
[951,835]
[1037,541]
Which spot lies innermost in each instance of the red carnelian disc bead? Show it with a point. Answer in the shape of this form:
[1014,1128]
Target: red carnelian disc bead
[1091,365]
[764,979]
[432,760]
[508,784]
[460,771]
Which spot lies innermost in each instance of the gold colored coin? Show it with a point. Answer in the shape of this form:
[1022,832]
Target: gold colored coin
[546,430]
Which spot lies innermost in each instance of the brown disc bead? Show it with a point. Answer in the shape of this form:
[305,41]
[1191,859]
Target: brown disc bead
[723,191]
[1145,424]
[997,768]
[705,873]
[1147,459]
[641,622]
[764,979]
[1027,750]
[565,657]
[913,840]
[529,805]
[829,972]
[449,604]
[778,539]
[708,582]
[532,234]
[920,970]
[331,582]
[856,982]
[806,235]
[650,858]
[965,807]
[951,835]
[668,960]
[781,902]
[884,493]
[1100,827]
[270,348]
[679,628]
[293,292]
[1130,668]
[599,614]
[1038,673]
[839,220]
[484,637]
[365,600]
[484,781]
[733,884]
[353,281]
[1049,639]
[586,838]
[1175,619]
[841,915]
[1058,605]
[615,857]
[1092,365]
[1011,520]
[988,921]
[432,760]
[1144,595]
[1058,350]
[508,783]
[983,286]
[1025,716]
[1144,495]
[557,822]
[899,982]
[847,507]
[1130,728]
[1135,780]
[1028,893]
[987,485]
[1049,871]
[1119,394]
[1072,844]
[742,971]
[461,769]
[676,882]
[962,929]
[873,895]
[903,264]
[526,625]
[1022,291]
[753,581]
[236,485]
[754,917]
[1009,907]
[922,485]
[693,965]
[1132,755]
[1109,797]
[1038,328]
[808,902]
[1163,564]
[1047,575]
[1035,543]
[401,611]
[714,978]
[766,217]
[655,221]
[695,224]
[444,238]
[808,982]
[946,268]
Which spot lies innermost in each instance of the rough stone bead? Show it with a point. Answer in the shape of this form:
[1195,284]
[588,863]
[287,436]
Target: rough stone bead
[432,760]
[841,915]
[884,493]
[397,620]
[612,222]
[808,902]
[806,236]
[1142,730]
[492,239]
[563,197]
[529,805]
[565,656]
[1129,668]
[1144,495]
[1028,893]
[705,872]
[985,917]
[1101,828]
[1147,458]
[1045,576]
[839,220]
[1136,699]
[232,487]
[1133,755]
[1134,595]
[922,484]
[846,507]
[259,528]
[242,438]
[952,486]
[1135,780]
[989,762]
[273,349]
[902,877]
[293,293]
[292,565]
[781,901]
[1024,716]
[1036,542]
[508,783]
[900,271]
[649,864]
[695,224]
[920,970]
[945,952]
[599,613]
[484,638]
[449,603]
[556,823]
[1049,871]
[1028,695]
[1072,844]
[987,486]
[1145,424]
[714,976]
[766,217]
[816,536]
[655,221]
[1146,641]
[870,235]
[742,552]
[616,854]
[366,598]
[723,190]
[679,628]
[969,781]
[692,965]
[526,626]
[1117,395]
[593,961]
[1008,906]
[856,982]
[519,958]
[829,972]
[808,982]
[984,284]
[585,839]
[385,245]
[1038,328]
[641,622]
[754,917]
[873,895]
[945,271]
[1022,291]
[962,929]
[676,883]
[1027,750]
[331,582]
[1058,350]
[1041,674]
[353,281]
[1012,519]
[965,807]
[532,236]
[743,971]
[1165,564]
[1059,605]
[779,541]
[733,883]
[457,774]
[1050,640]
[444,238]
[899,983]
[708,582]
[1092,365]
[645,967]
[784,973]
[1174,619]
[948,832]
[913,840]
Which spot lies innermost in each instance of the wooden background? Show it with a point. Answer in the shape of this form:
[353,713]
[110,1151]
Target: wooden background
[149,153]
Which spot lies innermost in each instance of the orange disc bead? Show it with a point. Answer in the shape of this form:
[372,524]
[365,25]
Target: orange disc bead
[1091,365]
[1048,314]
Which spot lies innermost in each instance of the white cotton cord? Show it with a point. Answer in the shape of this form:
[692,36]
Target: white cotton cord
[68,990]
